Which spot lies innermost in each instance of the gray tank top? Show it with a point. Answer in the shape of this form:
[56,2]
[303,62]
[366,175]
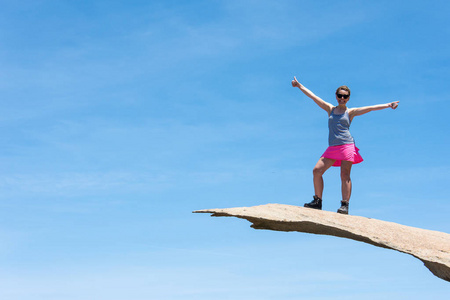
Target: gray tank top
[338,126]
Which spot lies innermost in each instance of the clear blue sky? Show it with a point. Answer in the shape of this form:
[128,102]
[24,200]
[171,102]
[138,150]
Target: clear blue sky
[121,117]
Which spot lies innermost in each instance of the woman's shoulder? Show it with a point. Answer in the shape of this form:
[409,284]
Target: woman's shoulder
[332,108]
[351,111]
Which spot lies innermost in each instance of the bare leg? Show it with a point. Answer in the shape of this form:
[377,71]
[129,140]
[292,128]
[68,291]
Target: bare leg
[322,165]
[346,167]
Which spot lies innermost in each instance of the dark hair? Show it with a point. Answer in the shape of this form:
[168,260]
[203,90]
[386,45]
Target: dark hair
[343,87]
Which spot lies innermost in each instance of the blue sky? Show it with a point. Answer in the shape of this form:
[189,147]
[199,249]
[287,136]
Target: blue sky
[121,117]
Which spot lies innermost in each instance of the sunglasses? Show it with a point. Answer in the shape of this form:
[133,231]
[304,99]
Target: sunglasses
[342,96]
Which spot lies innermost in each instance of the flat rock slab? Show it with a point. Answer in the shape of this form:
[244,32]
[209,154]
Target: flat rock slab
[431,247]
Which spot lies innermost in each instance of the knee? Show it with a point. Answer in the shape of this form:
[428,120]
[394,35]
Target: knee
[345,176]
[318,171]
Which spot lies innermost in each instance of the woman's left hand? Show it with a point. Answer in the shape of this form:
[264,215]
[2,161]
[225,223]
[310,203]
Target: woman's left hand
[394,104]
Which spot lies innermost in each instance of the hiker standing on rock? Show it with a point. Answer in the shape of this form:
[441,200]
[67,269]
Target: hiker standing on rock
[341,149]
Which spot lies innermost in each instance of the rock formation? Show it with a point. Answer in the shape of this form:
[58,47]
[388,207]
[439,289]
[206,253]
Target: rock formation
[431,247]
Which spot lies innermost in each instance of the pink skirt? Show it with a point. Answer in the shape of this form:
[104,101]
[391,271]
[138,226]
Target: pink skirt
[348,152]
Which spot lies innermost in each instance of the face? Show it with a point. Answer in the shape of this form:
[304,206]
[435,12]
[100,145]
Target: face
[342,97]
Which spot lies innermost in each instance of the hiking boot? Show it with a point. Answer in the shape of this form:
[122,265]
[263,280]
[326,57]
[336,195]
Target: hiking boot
[344,208]
[316,203]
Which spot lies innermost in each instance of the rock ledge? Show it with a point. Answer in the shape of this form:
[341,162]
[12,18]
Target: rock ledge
[431,247]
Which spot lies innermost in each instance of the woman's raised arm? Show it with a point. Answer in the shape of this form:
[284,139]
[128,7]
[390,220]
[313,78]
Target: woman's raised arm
[358,111]
[322,104]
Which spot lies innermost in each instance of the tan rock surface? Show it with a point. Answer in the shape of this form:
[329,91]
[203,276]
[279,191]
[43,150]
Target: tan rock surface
[431,247]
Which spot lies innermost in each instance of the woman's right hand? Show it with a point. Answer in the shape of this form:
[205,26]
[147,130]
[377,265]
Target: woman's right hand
[295,83]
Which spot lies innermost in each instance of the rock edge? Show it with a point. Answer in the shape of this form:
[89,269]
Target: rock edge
[431,247]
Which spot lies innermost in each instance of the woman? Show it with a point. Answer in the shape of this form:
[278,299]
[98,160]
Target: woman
[342,150]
